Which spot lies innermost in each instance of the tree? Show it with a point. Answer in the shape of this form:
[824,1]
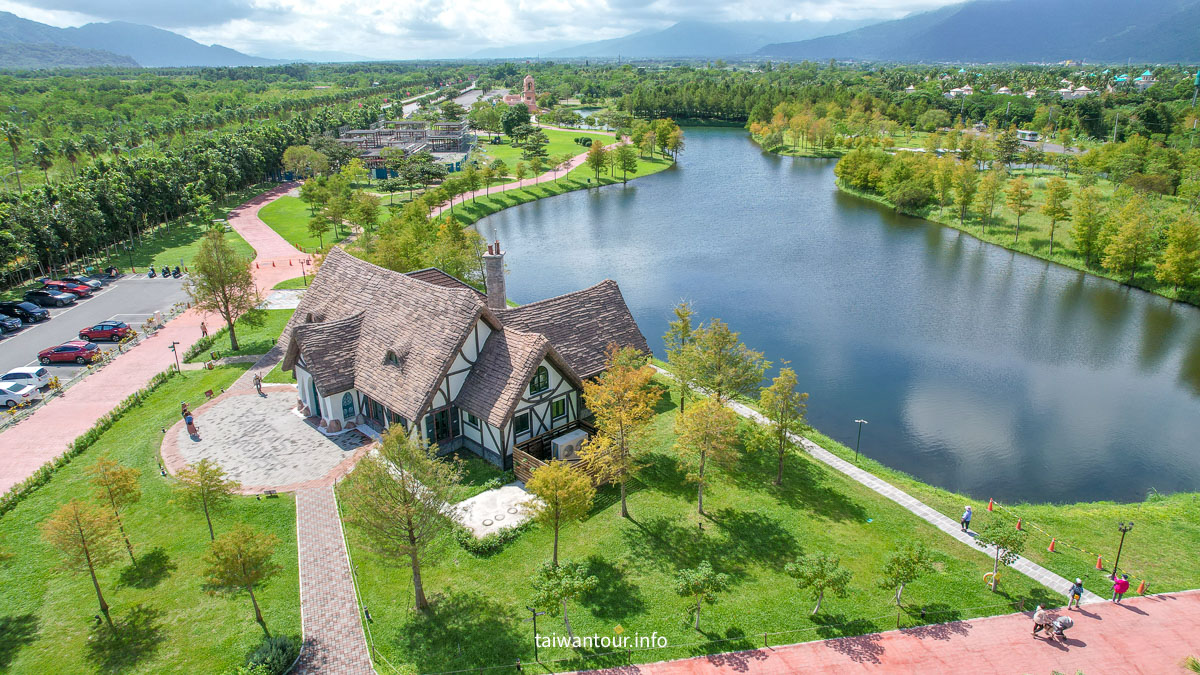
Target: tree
[721,365]
[784,408]
[556,585]
[622,403]
[700,584]
[1089,219]
[1017,197]
[677,341]
[364,211]
[402,498]
[1180,263]
[513,117]
[534,145]
[69,150]
[943,181]
[1008,542]
[304,162]
[989,191]
[85,537]
[966,184]
[241,560]
[1055,206]
[820,573]
[1125,252]
[14,136]
[222,281]
[319,226]
[596,157]
[1007,147]
[117,486]
[520,172]
[560,163]
[626,160]
[563,494]
[204,485]
[707,431]
[43,156]
[906,566]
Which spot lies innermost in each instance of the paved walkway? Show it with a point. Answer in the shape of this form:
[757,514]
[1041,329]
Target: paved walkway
[333,635]
[1149,635]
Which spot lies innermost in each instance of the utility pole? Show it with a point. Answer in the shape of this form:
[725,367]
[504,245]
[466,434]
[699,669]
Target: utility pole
[1116,121]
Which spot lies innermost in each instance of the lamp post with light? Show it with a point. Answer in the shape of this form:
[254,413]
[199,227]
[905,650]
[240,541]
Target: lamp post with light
[1124,529]
[859,441]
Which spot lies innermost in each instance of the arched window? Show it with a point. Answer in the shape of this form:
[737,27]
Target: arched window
[540,381]
[308,319]
[347,406]
[390,357]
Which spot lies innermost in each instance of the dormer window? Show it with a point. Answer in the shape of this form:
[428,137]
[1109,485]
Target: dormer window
[540,381]
[308,319]
[391,358]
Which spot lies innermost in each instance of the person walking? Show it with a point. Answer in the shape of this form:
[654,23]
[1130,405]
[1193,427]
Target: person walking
[1120,587]
[258,383]
[1040,620]
[1075,593]
[965,523]
[203,329]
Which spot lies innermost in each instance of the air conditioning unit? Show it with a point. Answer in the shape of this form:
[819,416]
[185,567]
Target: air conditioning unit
[566,447]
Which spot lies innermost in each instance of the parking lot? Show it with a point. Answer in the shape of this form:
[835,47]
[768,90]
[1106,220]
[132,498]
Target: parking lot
[130,299]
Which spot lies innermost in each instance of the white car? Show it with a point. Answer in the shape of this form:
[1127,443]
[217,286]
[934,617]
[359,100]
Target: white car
[13,394]
[34,375]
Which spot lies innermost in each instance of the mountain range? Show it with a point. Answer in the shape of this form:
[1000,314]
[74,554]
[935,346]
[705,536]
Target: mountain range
[989,31]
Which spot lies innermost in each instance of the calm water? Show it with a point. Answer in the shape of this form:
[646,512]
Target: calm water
[979,370]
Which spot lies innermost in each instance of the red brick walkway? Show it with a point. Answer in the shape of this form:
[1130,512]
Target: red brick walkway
[1151,635]
[333,634]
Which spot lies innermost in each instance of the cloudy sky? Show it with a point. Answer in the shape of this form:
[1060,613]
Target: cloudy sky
[432,28]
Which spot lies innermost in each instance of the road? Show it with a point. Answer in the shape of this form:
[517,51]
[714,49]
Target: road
[131,299]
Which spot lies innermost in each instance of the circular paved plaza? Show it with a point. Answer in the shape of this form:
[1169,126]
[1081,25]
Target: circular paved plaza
[262,443]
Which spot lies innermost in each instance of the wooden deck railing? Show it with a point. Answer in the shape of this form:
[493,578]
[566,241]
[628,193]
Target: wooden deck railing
[536,452]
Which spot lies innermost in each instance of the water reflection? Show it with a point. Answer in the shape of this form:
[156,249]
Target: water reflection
[981,369]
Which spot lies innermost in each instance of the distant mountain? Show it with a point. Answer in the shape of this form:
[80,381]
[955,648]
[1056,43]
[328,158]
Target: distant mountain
[1019,31]
[26,56]
[699,39]
[527,50]
[147,45]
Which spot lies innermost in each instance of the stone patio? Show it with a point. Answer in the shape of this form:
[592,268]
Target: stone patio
[262,443]
[489,512]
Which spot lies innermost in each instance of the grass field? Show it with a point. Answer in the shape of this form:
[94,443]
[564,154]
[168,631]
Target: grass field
[751,531]
[561,142]
[289,217]
[166,621]
[292,284]
[252,338]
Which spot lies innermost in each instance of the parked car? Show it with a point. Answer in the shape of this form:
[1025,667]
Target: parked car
[83,280]
[49,298]
[79,290]
[13,394]
[35,375]
[79,351]
[113,331]
[26,311]
[9,324]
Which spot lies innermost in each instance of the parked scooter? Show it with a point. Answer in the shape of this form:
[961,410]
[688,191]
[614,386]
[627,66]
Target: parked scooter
[166,272]
[151,274]
[176,273]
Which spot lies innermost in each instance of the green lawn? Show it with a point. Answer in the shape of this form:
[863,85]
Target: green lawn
[561,142]
[298,282]
[278,376]
[751,531]
[253,338]
[166,622]
[478,475]
[289,217]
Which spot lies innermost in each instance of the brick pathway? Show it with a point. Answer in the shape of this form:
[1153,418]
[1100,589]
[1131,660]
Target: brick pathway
[1149,635]
[333,634]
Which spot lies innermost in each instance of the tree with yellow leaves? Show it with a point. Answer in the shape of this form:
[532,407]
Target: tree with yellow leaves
[708,431]
[116,486]
[85,537]
[563,493]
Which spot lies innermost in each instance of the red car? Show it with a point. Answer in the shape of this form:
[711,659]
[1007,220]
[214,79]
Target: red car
[65,287]
[76,350]
[114,331]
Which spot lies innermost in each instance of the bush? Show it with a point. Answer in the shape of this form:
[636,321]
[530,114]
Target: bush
[492,543]
[275,655]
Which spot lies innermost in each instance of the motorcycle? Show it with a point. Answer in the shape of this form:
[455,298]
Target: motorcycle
[176,273]
[150,274]
[166,272]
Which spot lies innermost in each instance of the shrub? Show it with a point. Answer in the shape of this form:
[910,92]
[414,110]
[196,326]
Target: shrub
[492,543]
[275,655]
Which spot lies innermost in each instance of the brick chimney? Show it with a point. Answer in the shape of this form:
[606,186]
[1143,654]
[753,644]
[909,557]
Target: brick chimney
[493,276]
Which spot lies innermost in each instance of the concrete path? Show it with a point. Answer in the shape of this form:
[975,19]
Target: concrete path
[334,641]
[1151,635]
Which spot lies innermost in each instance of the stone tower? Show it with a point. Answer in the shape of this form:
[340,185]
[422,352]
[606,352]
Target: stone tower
[529,94]
[493,276]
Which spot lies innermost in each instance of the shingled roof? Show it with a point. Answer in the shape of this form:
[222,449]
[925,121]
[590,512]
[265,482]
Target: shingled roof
[505,366]
[329,351]
[580,325]
[437,277]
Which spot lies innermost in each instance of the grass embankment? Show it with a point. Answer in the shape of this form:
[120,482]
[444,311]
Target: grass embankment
[577,179]
[292,284]
[253,338]
[561,143]
[166,622]
[752,529]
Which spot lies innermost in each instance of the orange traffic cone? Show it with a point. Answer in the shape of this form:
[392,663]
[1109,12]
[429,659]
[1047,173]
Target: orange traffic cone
[1099,563]
[1142,587]
[1051,549]
[991,505]
[255,265]
[272,263]
[289,262]
[1018,523]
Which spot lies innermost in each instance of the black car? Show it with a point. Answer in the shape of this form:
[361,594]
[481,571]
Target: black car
[9,324]
[25,311]
[47,297]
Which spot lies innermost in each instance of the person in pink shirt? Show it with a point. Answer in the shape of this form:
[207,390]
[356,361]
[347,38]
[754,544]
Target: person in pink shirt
[1120,587]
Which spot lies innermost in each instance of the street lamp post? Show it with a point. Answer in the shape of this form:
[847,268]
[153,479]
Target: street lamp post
[533,618]
[1124,529]
[176,353]
[859,442]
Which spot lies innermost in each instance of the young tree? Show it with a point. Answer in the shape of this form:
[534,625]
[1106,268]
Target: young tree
[43,156]
[241,560]
[1180,264]
[623,404]
[85,536]
[784,407]
[535,145]
[989,191]
[563,494]
[943,182]
[401,498]
[1007,147]
[1089,220]
[204,485]
[14,136]
[556,585]
[1008,542]
[966,184]
[1055,207]
[364,211]
[319,226]
[626,160]
[520,172]
[707,431]
[677,341]
[906,566]
[700,584]
[722,365]
[1129,245]
[820,573]
[1017,197]
[596,158]
[221,281]
[560,163]
[117,486]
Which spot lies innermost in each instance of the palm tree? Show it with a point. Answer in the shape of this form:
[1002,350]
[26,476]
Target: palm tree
[13,134]
[43,155]
[91,145]
[69,149]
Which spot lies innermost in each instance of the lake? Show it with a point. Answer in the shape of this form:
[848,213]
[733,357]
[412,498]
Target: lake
[978,369]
